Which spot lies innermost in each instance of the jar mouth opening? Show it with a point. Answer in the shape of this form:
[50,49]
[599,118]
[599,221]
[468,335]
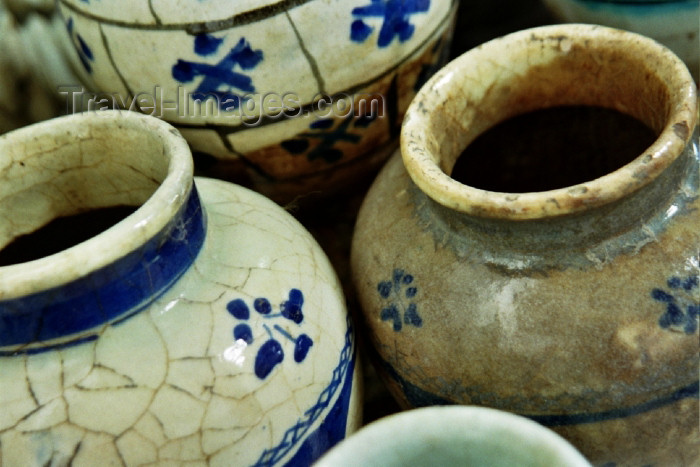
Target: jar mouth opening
[550,66]
[83,162]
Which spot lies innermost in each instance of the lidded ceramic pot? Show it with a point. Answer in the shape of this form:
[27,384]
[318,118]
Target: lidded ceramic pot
[576,307]
[206,327]
[32,59]
[289,97]
[456,435]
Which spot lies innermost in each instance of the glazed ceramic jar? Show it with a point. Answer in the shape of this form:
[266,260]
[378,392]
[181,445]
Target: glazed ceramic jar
[204,328]
[577,307]
[8,91]
[290,98]
[451,436]
[674,23]
[33,64]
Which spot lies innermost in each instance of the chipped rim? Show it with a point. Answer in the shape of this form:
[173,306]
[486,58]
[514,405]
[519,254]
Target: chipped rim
[424,165]
[147,221]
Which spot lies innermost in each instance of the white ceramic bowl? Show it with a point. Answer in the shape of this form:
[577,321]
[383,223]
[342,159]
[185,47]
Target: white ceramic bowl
[454,435]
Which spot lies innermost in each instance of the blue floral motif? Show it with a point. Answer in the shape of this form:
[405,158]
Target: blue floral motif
[219,79]
[682,303]
[324,131]
[398,291]
[271,353]
[395,20]
[296,433]
[84,51]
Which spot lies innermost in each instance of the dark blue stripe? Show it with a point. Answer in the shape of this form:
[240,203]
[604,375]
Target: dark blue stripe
[419,397]
[131,282]
[37,350]
[579,418]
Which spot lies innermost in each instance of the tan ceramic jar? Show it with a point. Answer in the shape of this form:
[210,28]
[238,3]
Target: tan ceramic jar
[577,307]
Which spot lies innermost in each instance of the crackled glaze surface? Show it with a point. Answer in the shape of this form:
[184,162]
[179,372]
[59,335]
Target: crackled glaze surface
[576,307]
[207,328]
[263,70]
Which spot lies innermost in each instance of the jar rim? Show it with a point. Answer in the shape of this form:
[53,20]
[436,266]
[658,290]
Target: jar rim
[429,147]
[128,234]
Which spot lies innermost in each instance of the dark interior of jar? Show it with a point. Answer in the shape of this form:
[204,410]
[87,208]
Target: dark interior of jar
[583,115]
[62,233]
[552,148]
[62,189]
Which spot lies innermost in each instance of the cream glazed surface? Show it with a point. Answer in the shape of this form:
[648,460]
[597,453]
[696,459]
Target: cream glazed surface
[207,328]
[289,97]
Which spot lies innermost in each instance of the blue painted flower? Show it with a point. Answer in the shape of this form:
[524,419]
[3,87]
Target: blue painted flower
[682,303]
[399,291]
[220,78]
[395,20]
[271,353]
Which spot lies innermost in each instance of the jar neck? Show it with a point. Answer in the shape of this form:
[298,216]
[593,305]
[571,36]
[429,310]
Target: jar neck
[541,68]
[591,237]
[76,311]
[81,163]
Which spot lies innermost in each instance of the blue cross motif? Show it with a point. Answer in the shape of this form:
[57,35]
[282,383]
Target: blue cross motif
[395,15]
[219,79]
[324,131]
[84,51]
[682,303]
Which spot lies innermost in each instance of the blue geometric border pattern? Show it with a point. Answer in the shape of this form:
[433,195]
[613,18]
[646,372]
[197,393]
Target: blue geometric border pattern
[296,433]
[109,294]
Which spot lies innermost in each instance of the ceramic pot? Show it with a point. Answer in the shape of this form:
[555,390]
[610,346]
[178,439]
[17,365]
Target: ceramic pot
[466,436]
[22,8]
[674,23]
[205,328]
[8,91]
[33,63]
[290,98]
[576,307]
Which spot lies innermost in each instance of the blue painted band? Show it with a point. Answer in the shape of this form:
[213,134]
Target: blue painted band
[419,397]
[111,292]
[690,391]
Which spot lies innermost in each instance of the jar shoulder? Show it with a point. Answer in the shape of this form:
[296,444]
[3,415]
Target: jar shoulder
[253,337]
